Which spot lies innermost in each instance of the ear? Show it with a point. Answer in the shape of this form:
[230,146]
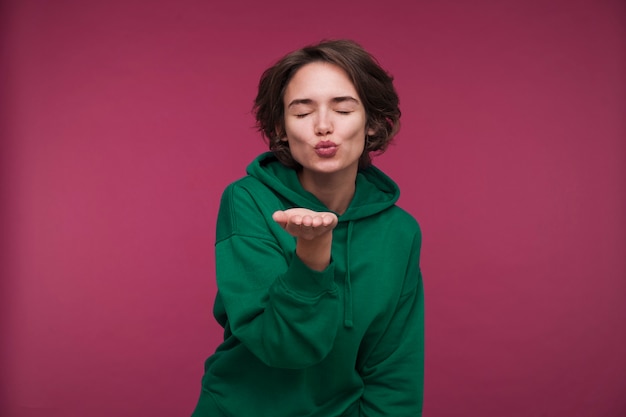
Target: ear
[371,132]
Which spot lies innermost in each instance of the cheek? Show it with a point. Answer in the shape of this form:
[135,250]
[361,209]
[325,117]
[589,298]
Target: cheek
[360,130]
[295,132]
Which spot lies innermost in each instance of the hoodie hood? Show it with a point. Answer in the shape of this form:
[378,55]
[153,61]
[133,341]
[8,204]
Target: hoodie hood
[374,193]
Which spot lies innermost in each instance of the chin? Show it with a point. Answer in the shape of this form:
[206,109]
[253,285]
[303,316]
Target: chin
[329,167]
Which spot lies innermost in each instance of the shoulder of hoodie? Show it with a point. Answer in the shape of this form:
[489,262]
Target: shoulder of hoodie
[247,188]
[239,209]
[247,182]
[403,221]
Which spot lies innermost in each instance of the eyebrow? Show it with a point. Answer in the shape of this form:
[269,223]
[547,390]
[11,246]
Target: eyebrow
[308,101]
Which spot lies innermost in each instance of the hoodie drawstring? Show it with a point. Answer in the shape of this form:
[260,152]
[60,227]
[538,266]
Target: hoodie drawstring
[347,304]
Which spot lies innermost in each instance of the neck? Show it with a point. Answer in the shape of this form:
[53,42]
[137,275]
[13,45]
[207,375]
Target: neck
[335,192]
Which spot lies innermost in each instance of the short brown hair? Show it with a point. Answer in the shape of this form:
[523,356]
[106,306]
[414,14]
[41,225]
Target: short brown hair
[373,84]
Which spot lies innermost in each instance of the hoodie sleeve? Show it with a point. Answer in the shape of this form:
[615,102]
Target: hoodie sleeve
[393,372]
[285,313]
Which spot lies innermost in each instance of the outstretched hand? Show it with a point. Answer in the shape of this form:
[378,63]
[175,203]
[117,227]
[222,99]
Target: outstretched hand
[304,223]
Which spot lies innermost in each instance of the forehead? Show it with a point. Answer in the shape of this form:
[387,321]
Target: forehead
[319,81]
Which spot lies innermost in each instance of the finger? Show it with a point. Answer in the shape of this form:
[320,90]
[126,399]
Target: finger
[327,220]
[280,217]
[317,221]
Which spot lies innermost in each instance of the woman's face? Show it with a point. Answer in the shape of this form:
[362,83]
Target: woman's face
[325,121]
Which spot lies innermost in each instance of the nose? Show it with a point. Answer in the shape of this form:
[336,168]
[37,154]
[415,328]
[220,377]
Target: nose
[323,124]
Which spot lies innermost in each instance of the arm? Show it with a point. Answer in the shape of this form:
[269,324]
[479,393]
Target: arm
[282,310]
[393,371]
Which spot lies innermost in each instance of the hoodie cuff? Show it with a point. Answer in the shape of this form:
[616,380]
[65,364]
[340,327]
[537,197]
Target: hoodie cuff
[309,282]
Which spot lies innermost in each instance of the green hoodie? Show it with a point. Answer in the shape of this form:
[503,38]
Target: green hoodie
[346,341]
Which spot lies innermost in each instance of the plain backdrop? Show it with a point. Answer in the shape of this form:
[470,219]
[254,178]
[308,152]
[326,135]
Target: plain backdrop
[122,121]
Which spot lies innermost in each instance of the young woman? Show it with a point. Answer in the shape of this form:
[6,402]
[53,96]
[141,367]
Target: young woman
[319,285]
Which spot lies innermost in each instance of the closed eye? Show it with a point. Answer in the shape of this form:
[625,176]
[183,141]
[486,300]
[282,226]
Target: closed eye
[302,115]
[343,112]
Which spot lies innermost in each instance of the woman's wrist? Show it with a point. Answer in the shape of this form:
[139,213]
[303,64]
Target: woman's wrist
[315,253]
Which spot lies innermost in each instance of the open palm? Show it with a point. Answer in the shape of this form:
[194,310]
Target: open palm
[304,223]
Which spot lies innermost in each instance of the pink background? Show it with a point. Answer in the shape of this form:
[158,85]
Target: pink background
[122,122]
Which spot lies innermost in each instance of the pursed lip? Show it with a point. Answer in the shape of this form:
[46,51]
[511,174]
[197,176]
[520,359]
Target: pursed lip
[326,149]
[326,144]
